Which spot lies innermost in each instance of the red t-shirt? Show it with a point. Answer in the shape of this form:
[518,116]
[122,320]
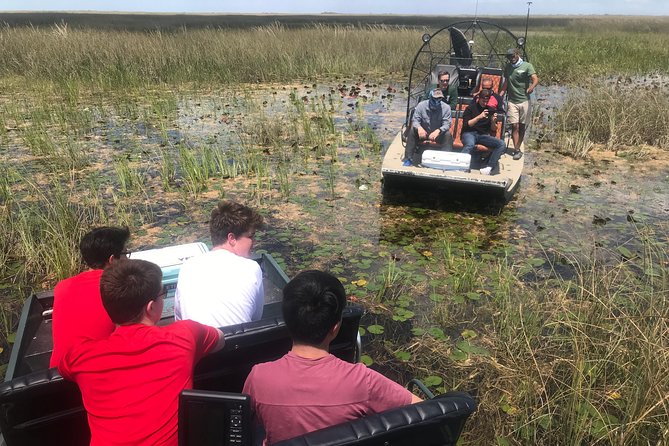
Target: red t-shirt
[130,382]
[294,395]
[78,312]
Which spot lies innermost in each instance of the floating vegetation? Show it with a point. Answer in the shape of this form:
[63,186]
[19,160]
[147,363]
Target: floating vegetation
[551,310]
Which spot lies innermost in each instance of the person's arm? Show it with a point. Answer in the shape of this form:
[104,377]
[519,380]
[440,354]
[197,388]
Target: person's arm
[417,116]
[446,120]
[502,90]
[420,115]
[204,339]
[477,118]
[221,342]
[534,82]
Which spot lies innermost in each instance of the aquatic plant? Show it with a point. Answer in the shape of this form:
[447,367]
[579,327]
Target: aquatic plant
[600,114]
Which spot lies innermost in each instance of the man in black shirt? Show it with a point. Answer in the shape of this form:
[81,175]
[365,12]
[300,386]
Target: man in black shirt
[479,122]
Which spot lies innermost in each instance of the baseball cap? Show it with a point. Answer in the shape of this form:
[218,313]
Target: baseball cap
[437,94]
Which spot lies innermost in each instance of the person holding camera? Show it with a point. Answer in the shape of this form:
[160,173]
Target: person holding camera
[479,124]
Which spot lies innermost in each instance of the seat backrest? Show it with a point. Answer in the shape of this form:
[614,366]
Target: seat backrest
[457,122]
[214,419]
[436,422]
[494,74]
[452,70]
[43,408]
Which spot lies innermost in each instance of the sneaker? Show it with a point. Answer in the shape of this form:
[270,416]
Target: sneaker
[407,163]
[517,155]
[486,170]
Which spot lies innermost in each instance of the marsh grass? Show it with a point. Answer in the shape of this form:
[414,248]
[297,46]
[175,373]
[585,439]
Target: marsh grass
[130,177]
[118,59]
[194,171]
[602,115]
[577,359]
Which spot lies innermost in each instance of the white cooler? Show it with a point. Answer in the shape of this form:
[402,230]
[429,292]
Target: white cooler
[436,159]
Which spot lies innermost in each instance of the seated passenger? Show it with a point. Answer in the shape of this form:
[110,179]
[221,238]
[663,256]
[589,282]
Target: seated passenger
[130,382]
[223,286]
[496,102]
[450,91]
[479,121]
[77,306]
[429,128]
[308,388]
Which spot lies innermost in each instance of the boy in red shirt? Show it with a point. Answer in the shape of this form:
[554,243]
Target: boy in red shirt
[130,382]
[308,388]
[77,306]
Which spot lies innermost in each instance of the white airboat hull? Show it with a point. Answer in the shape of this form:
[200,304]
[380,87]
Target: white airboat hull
[506,181]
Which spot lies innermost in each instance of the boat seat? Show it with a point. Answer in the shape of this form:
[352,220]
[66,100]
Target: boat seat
[494,74]
[43,408]
[438,68]
[435,422]
[457,124]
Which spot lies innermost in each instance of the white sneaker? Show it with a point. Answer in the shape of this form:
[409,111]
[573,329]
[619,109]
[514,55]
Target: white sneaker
[486,171]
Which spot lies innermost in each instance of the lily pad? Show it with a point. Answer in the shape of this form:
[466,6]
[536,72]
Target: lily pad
[432,381]
[375,329]
[403,355]
[367,360]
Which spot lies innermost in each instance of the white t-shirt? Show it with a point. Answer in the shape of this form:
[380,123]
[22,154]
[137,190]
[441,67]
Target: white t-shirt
[219,288]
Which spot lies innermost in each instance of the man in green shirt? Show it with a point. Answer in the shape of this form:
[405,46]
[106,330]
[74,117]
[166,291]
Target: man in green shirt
[520,80]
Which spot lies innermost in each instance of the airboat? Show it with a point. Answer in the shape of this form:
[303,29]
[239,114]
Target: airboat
[37,406]
[470,51]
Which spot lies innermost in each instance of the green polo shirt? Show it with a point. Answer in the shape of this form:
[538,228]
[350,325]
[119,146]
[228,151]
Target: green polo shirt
[518,81]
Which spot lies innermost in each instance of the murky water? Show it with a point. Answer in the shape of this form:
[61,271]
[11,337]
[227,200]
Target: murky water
[562,204]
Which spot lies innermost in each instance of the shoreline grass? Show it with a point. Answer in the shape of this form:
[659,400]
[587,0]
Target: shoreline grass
[72,59]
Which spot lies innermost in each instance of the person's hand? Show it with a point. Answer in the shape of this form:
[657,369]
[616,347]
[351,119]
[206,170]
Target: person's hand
[530,89]
[422,134]
[484,114]
[434,135]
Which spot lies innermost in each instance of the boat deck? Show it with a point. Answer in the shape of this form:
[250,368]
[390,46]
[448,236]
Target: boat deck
[506,181]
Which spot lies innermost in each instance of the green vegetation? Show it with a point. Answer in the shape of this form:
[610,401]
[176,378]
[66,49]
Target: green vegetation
[594,48]
[110,60]
[578,359]
[601,115]
[561,344]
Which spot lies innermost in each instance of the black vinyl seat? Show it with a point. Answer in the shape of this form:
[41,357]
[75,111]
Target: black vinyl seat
[43,408]
[436,422]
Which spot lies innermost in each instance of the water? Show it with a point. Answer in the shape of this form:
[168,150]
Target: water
[562,204]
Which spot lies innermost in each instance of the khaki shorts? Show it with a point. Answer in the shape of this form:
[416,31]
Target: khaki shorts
[519,113]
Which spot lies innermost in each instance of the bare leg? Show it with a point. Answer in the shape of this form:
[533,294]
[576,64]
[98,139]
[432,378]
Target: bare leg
[515,136]
[521,135]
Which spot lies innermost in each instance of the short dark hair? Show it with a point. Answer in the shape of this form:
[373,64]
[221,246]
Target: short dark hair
[232,217]
[101,243]
[485,93]
[126,286]
[444,72]
[313,303]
